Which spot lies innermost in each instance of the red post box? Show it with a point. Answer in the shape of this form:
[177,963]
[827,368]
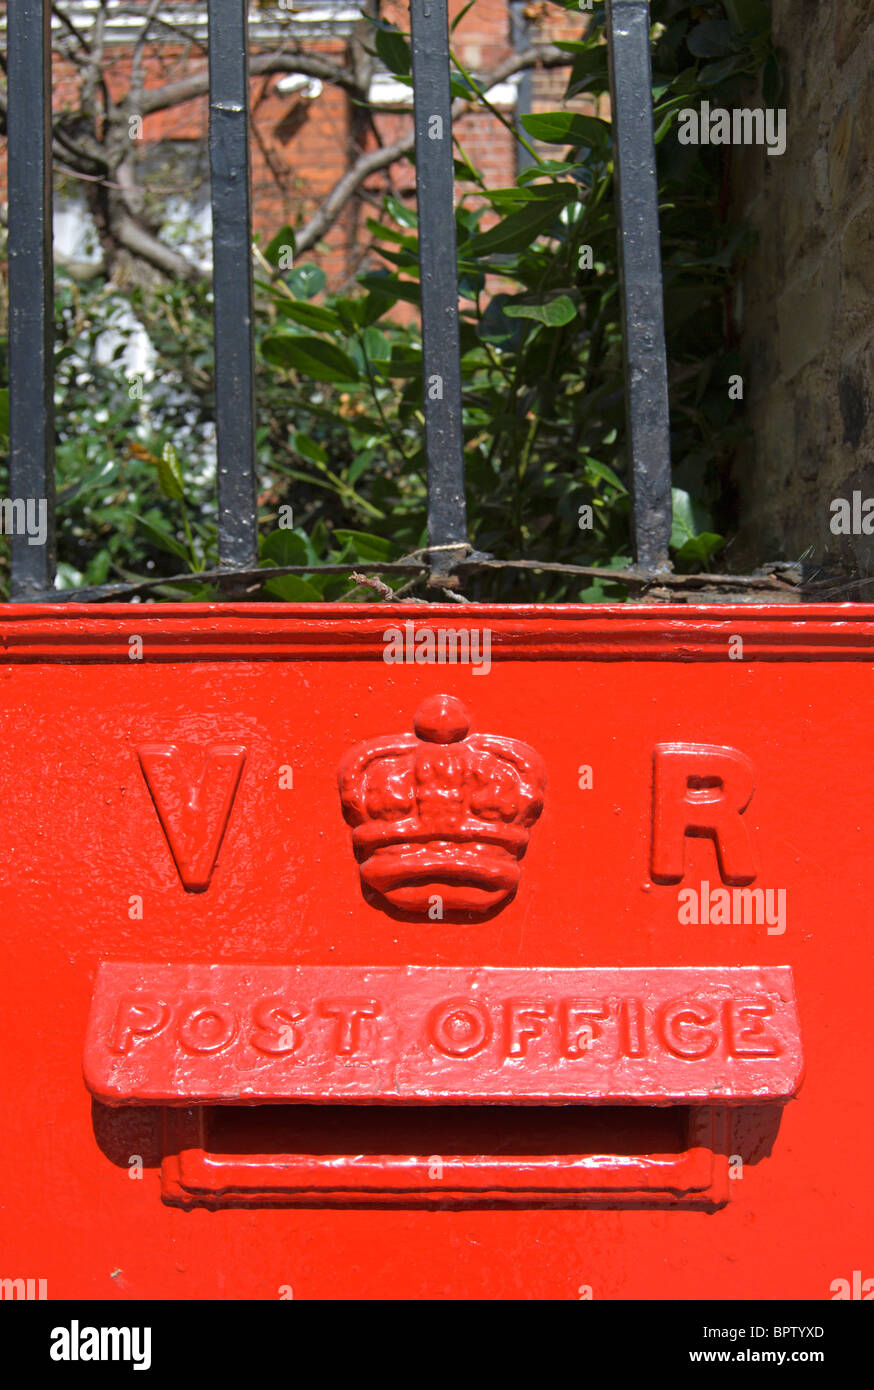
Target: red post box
[419,952]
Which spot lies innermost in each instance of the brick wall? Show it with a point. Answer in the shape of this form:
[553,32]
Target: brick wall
[301,145]
[807,328]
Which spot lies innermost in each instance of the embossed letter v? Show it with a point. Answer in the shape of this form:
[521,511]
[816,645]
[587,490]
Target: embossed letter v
[194,814]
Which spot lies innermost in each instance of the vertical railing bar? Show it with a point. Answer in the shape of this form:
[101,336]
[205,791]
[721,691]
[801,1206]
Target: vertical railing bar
[646,375]
[29,511]
[435,193]
[232,281]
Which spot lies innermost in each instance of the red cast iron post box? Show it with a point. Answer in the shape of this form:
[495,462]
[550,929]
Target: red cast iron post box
[432,980]
[424,950]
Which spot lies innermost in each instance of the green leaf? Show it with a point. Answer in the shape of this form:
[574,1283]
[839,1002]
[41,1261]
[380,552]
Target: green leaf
[293,588]
[382,232]
[698,549]
[308,448]
[273,250]
[310,315]
[312,357]
[4,413]
[596,470]
[69,576]
[589,72]
[358,466]
[460,89]
[98,570]
[464,170]
[349,313]
[516,232]
[306,280]
[690,520]
[554,313]
[161,538]
[284,547]
[407,216]
[366,547]
[319,539]
[567,128]
[376,345]
[170,478]
[404,362]
[370,309]
[402,259]
[393,50]
[503,199]
[546,166]
[391,287]
[663,127]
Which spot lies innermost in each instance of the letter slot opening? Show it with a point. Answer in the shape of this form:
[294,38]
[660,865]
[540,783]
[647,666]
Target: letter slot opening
[445,1155]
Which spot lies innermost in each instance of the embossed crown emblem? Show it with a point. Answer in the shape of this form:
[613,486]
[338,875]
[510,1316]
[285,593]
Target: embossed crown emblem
[441,814]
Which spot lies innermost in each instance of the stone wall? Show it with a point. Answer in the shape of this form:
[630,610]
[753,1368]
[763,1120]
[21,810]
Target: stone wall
[805,308]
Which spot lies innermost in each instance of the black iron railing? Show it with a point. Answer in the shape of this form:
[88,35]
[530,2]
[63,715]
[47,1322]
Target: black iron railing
[232,281]
[31,297]
[31,304]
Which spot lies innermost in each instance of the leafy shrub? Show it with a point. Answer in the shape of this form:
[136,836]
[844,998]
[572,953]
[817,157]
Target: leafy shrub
[340,420]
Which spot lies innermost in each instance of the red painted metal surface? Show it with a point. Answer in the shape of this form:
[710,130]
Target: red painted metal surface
[639,790]
[184,1035]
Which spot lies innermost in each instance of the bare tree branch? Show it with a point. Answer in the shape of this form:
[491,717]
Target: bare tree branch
[122,151]
[71,28]
[137,81]
[197,84]
[109,162]
[80,271]
[330,209]
[95,68]
[141,242]
[84,153]
[374,160]
[177,30]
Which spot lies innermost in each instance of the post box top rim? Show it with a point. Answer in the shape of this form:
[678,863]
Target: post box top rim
[786,614]
[579,632]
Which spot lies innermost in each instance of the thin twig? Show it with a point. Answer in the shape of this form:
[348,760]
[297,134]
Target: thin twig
[766,583]
[370,581]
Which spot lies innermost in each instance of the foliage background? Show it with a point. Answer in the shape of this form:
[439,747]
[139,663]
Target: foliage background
[340,421]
